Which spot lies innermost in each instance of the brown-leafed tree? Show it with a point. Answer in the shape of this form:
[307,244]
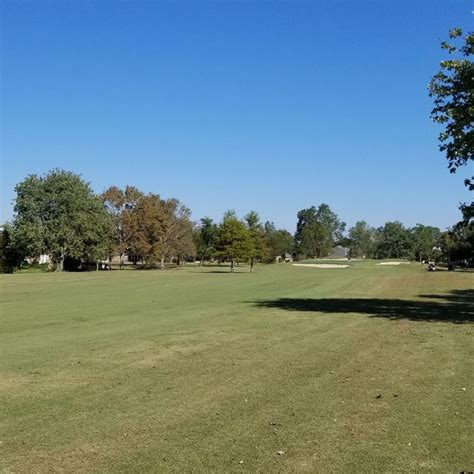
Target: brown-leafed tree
[159,229]
[121,205]
[177,236]
[147,223]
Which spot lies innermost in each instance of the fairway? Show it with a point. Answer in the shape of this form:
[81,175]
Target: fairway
[364,369]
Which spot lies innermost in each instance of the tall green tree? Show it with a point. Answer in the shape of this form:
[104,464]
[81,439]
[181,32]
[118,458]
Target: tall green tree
[361,240]
[425,240]
[317,231]
[315,241]
[279,241]
[258,250]
[331,222]
[233,242]
[58,214]
[205,238]
[393,241]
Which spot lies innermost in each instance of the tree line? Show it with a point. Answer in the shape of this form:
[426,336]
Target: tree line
[59,215]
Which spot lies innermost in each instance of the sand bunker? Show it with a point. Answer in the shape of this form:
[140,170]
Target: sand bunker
[320,265]
[393,263]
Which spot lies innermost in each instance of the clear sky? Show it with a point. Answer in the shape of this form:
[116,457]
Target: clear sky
[272,106]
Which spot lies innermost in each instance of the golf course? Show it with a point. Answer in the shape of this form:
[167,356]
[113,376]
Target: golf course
[196,369]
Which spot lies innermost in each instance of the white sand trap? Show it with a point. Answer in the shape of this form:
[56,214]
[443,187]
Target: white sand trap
[393,263]
[320,265]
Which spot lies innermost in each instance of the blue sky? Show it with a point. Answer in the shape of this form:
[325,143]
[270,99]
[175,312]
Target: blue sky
[272,106]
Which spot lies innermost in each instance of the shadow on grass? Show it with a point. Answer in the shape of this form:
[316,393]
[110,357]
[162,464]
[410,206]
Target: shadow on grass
[456,307]
[455,296]
[226,271]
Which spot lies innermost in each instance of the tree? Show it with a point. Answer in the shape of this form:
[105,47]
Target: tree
[315,240]
[453,91]
[392,241]
[12,253]
[159,230]
[331,223]
[205,238]
[259,244]
[177,236]
[279,241]
[425,239]
[58,214]
[146,227]
[317,231]
[120,204]
[233,240]
[457,244]
[467,211]
[361,240]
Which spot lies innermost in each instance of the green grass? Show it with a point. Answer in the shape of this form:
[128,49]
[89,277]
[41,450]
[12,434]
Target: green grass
[197,369]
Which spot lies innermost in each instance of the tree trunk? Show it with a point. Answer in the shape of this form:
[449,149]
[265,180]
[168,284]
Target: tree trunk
[97,266]
[252,264]
[60,265]
[232,265]
[201,262]
[162,263]
[121,266]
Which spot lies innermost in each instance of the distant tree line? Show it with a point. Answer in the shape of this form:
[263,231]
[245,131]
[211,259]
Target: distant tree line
[59,215]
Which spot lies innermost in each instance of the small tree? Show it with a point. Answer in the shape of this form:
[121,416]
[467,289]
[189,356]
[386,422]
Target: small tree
[279,241]
[12,253]
[205,238]
[258,250]
[233,242]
